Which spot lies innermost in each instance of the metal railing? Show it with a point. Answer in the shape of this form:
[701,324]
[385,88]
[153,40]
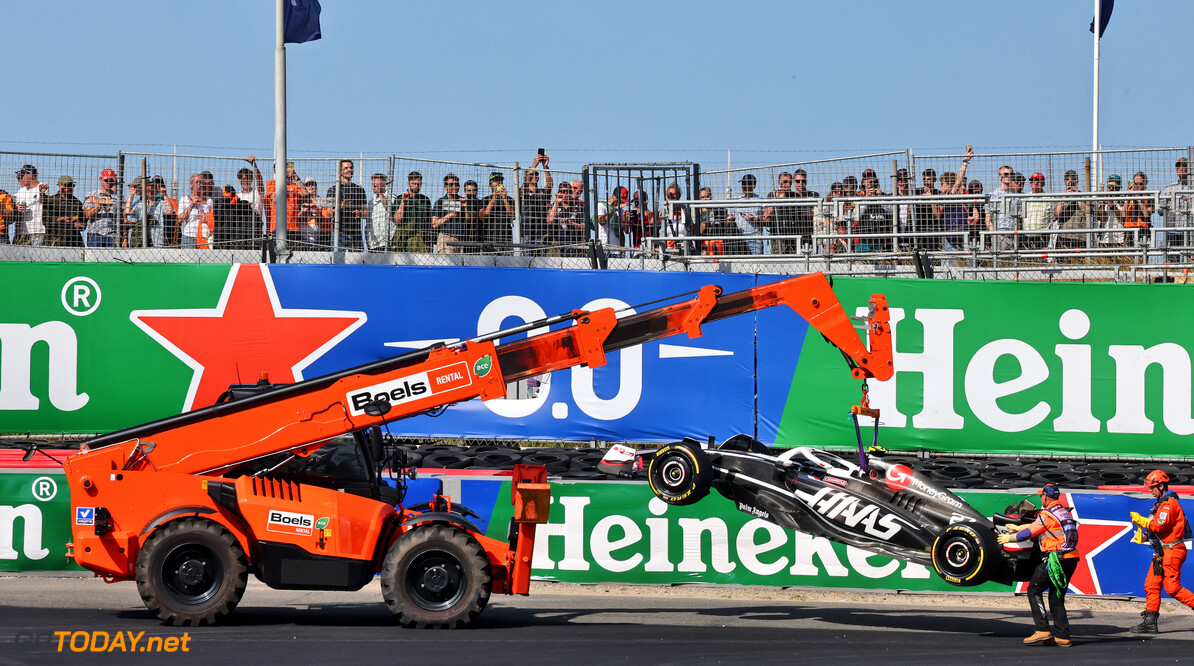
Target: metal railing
[918,222]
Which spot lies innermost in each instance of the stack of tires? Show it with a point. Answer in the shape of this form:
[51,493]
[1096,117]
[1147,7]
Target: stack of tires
[580,464]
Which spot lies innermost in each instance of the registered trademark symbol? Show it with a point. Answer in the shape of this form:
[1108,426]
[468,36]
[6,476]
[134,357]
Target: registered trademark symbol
[44,488]
[80,296]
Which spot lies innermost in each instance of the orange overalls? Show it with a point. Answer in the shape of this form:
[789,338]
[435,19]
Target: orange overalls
[1168,523]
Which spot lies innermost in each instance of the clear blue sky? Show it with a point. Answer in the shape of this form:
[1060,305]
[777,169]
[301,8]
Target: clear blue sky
[597,81]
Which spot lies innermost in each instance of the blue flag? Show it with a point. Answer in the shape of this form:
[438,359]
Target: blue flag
[300,21]
[1105,7]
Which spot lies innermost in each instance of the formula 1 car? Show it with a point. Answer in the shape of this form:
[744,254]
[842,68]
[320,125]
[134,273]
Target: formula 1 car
[875,505]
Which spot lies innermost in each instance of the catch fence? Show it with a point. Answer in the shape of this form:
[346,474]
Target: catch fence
[818,214]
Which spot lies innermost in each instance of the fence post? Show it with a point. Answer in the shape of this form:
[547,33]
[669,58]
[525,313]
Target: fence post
[590,228]
[119,207]
[516,232]
[144,203]
[336,211]
[918,225]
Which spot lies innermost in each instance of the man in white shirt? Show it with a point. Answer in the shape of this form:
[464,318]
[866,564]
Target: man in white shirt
[252,189]
[381,215]
[609,217]
[1038,215]
[1173,215]
[749,219]
[27,229]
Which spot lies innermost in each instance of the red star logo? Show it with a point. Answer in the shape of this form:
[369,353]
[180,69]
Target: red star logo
[1093,537]
[247,333]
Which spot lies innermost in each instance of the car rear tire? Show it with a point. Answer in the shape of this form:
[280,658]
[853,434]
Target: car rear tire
[191,572]
[680,474]
[966,554]
[436,577]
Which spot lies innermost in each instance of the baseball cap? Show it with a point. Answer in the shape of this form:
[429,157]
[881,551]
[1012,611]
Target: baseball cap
[749,179]
[1114,177]
[496,175]
[1036,176]
[622,193]
[107,174]
[28,168]
[1050,490]
[66,180]
[138,181]
[901,174]
[1070,173]
[310,181]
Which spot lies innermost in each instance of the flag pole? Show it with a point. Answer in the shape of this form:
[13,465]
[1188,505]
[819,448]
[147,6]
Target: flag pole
[280,181]
[1095,147]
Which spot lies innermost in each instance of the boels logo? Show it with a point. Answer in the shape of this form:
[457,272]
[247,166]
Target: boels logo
[411,387]
[290,523]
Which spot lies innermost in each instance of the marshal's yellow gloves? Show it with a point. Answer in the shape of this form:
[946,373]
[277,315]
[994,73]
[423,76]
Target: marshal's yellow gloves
[1139,520]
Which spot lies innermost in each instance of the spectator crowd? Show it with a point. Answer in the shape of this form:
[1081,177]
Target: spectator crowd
[553,218]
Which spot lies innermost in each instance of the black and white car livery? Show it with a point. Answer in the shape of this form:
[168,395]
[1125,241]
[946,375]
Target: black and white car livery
[877,505]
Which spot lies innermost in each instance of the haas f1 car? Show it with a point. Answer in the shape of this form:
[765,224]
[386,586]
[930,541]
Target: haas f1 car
[876,505]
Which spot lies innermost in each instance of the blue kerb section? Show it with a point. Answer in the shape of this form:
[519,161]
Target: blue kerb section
[480,495]
[419,490]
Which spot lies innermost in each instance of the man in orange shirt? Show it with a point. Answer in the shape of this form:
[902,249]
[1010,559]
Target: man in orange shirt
[1167,531]
[1056,532]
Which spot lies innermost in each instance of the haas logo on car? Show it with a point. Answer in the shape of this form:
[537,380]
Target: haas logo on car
[842,507]
[290,523]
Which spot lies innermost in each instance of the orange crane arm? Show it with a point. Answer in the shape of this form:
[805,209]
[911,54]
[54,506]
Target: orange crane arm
[300,417]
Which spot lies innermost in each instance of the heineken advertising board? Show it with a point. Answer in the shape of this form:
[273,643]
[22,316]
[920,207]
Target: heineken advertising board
[617,532]
[1006,367]
[34,521]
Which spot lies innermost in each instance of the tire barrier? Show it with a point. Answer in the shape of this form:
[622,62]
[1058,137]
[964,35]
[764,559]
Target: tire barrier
[954,472]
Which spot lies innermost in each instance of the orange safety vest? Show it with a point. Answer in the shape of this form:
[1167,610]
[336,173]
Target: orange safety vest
[1168,521]
[1052,534]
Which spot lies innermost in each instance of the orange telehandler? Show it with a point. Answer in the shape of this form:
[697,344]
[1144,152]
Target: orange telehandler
[263,482]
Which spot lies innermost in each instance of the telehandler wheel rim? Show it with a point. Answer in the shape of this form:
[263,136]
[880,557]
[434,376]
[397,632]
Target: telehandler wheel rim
[435,580]
[192,573]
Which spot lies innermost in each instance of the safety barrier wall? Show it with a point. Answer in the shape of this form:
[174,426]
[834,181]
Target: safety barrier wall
[616,532]
[984,368]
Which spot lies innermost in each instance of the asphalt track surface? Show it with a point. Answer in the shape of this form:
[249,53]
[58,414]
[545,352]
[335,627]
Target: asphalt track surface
[597,626]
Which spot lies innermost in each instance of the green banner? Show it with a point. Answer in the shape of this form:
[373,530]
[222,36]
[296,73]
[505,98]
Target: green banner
[1013,367]
[620,533]
[73,360]
[34,521]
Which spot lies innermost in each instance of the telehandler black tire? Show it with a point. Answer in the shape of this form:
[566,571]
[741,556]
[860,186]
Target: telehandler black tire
[191,572]
[436,577]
